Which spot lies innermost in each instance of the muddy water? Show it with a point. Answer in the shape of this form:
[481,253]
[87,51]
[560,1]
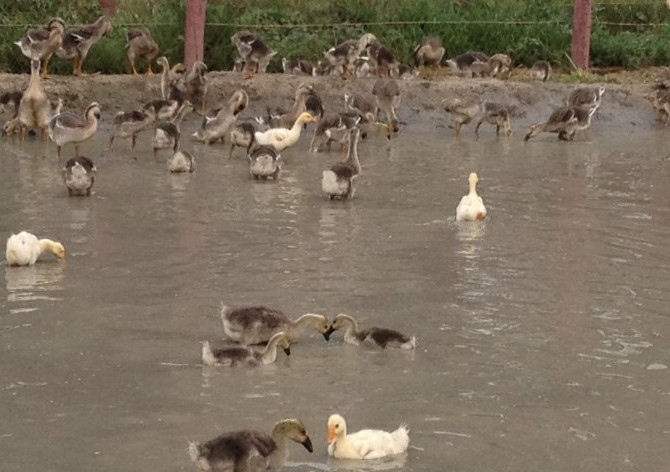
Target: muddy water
[543,330]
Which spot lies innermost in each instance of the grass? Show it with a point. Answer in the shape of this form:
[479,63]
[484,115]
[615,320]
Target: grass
[487,25]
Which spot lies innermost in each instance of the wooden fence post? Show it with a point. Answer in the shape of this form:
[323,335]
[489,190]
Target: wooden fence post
[581,33]
[194,31]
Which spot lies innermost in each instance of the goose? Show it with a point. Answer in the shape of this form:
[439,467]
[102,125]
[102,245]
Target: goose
[195,84]
[341,57]
[384,61]
[583,115]
[501,65]
[341,180]
[130,124]
[78,41]
[11,98]
[282,138]
[380,337]
[460,65]
[495,114]
[181,161]
[586,97]
[364,444]
[257,324]
[363,103]
[562,121]
[34,108]
[167,133]
[280,118]
[429,51]
[41,43]
[363,67]
[243,355]
[541,70]
[254,52]
[242,135]
[462,113]
[79,175]
[249,450]
[141,44]
[69,128]
[387,95]
[215,128]
[24,248]
[297,67]
[170,77]
[407,72]
[471,207]
[264,162]
[660,99]
[326,126]
[162,110]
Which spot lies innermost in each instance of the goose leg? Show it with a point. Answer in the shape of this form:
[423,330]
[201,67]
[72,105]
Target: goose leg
[76,150]
[75,66]
[230,153]
[111,141]
[133,142]
[58,151]
[479,123]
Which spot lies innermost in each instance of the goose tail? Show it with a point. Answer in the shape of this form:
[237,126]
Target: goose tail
[401,438]
[194,451]
[207,354]
[329,182]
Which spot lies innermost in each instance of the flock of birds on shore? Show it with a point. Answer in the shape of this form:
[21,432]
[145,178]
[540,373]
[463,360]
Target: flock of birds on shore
[184,90]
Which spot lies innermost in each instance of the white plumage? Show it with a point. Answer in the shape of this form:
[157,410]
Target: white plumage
[364,444]
[282,138]
[471,207]
[24,249]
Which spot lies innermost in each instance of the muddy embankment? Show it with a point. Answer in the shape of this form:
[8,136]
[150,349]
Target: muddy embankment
[532,101]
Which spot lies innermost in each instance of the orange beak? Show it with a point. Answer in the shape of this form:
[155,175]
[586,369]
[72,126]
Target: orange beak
[331,434]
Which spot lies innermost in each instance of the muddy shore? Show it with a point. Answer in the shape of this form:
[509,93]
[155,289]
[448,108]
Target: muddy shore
[420,98]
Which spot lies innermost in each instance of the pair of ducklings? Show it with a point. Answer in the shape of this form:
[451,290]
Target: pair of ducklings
[259,324]
[251,450]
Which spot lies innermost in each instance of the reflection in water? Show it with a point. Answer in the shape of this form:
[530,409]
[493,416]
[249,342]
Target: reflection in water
[33,283]
[385,463]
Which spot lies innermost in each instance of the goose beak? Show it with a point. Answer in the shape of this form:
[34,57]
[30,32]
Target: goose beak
[331,434]
[328,332]
[308,444]
[287,351]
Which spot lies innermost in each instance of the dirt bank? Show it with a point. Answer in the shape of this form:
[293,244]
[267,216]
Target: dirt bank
[420,98]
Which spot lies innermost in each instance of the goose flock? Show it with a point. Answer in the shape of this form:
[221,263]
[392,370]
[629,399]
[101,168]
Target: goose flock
[184,90]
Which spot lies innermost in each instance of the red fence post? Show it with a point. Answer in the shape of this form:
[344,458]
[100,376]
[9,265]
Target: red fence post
[581,33]
[194,31]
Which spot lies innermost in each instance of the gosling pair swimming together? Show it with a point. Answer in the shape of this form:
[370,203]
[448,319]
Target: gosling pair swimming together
[259,324]
[254,451]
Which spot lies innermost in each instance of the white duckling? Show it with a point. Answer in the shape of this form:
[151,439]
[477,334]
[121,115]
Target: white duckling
[181,161]
[471,207]
[79,175]
[264,162]
[282,138]
[341,180]
[380,337]
[364,444]
[257,324]
[249,450]
[69,128]
[24,249]
[242,355]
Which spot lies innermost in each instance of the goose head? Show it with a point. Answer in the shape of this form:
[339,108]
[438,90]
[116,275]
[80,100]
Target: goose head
[94,110]
[58,250]
[295,430]
[337,427]
[163,62]
[56,23]
[340,320]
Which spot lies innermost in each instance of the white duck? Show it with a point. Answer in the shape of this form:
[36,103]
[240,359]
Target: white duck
[257,324]
[24,249]
[364,444]
[283,138]
[381,337]
[471,207]
[248,450]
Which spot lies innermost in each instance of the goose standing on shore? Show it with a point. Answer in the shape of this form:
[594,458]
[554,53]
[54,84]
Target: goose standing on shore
[257,324]
[471,207]
[380,337]
[141,44]
[232,356]
[69,128]
[429,52]
[41,43]
[341,180]
[195,84]
[541,70]
[248,450]
[255,54]
[78,41]
[79,176]
[24,248]
[364,444]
